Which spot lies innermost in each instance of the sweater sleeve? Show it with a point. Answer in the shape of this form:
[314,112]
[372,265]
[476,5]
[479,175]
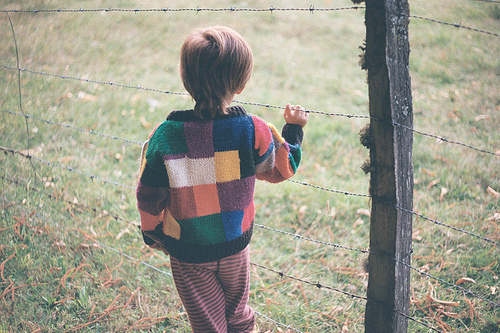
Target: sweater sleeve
[277,156]
[152,189]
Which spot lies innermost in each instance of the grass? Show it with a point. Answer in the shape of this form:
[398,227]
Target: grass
[60,230]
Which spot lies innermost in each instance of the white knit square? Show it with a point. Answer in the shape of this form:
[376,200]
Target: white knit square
[185,171]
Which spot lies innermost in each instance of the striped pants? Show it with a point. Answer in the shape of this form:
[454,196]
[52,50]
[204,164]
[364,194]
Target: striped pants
[215,294]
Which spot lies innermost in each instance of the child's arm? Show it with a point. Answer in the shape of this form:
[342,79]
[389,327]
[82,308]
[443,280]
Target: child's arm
[279,155]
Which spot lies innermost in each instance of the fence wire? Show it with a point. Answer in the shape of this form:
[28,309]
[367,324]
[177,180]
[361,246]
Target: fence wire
[271,9]
[138,87]
[281,274]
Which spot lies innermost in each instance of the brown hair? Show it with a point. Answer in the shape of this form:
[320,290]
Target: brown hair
[216,63]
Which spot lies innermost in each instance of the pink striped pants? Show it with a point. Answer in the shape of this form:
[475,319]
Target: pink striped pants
[215,294]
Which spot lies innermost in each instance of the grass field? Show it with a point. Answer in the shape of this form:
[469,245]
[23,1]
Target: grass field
[67,217]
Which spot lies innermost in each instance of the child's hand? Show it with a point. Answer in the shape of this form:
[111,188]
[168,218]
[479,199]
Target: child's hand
[296,115]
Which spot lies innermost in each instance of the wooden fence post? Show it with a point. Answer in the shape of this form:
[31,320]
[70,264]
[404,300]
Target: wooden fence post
[386,60]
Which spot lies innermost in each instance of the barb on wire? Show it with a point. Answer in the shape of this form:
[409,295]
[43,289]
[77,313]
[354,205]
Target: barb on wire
[172,92]
[277,322]
[270,9]
[72,127]
[447,225]
[91,176]
[329,190]
[317,284]
[451,285]
[70,202]
[312,240]
[444,139]
[417,321]
[456,25]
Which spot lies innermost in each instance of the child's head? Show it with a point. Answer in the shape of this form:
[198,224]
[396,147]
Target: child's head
[216,63]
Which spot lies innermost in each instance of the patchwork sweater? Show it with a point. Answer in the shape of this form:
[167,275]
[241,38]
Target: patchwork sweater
[196,189]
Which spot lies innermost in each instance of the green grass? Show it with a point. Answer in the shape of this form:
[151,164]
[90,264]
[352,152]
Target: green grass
[58,228]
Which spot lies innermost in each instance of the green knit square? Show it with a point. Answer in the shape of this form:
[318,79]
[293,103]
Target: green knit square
[205,230]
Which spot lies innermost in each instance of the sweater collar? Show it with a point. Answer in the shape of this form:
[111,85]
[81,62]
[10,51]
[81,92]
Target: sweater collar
[188,115]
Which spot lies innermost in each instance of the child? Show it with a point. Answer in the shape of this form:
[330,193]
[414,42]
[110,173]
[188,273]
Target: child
[198,171]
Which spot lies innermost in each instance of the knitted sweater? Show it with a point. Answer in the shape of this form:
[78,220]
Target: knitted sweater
[196,187]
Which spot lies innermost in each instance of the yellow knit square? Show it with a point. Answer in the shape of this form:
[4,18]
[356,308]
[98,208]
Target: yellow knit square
[227,166]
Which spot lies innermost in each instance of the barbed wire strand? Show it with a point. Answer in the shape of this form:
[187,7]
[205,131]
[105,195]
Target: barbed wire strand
[311,9]
[372,252]
[441,138]
[364,251]
[297,236]
[417,321]
[91,176]
[72,127]
[64,77]
[315,284]
[131,258]
[456,25]
[444,139]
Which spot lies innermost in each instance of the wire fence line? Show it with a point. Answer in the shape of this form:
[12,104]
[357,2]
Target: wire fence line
[71,127]
[138,261]
[359,250]
[347,193]
[106,181]
[311,9]
[441,138]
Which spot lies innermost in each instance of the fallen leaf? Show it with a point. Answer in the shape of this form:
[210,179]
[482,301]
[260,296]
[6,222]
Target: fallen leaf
[482,117]
[363,211]
[65,96]
[144,122]
[431,184]
[492,192]
[443,193]
[464,279]
[430,299]
[358,222]
[453,116]
[86,97]
[123,232]
[428,172]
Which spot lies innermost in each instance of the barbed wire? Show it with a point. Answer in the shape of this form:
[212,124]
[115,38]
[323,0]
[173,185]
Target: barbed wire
[315,284]
[442,138]
[311,9]
[305,238]
[91,176]
[71,127]
[171,92]
[417,321]
[447,225]
[297,236]
[456,25]
[469,292]
[318,285]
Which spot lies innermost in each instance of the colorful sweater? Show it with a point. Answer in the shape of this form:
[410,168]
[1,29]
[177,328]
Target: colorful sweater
[196,187]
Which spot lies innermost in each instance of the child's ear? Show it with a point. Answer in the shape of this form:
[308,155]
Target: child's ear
[240,90]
